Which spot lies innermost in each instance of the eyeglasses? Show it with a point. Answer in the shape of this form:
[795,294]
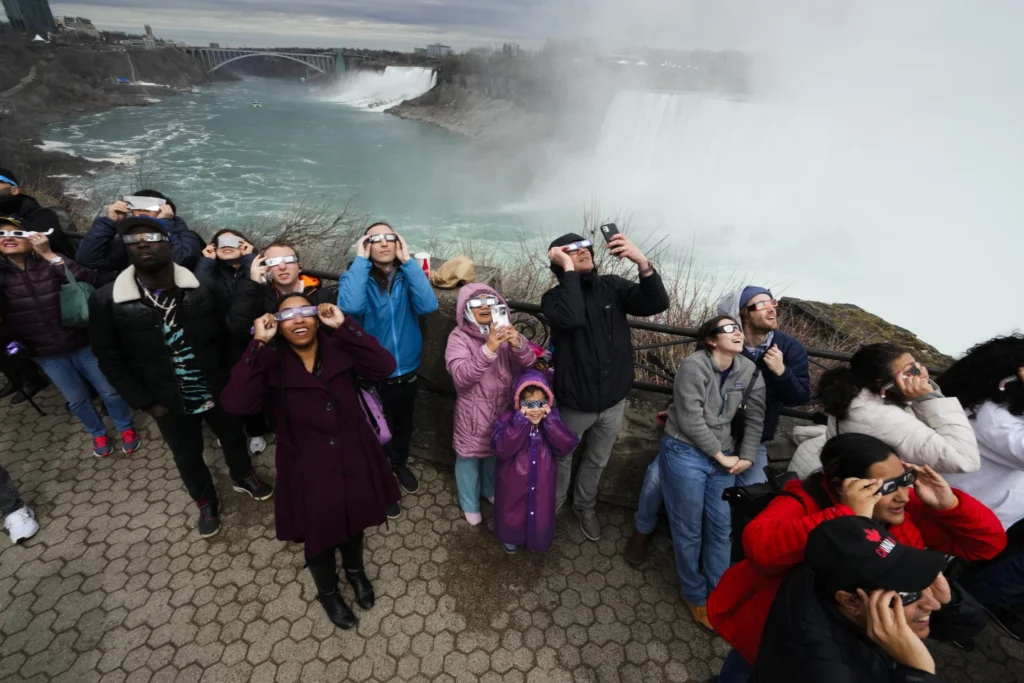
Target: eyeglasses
[576,246]
[727,329]
[291,313]
[24,234]
[910,371]
[904,480]
[909,598]
[761,305]
[485,301]
[387,237]
[145,237]
[535,405]
[278,260]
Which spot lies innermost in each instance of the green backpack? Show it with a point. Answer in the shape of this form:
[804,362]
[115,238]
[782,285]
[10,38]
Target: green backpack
[74,301]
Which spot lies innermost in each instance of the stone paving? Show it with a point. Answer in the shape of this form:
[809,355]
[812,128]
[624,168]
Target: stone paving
[118,586]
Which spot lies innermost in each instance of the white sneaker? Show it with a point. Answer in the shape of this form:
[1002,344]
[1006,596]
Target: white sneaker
[257,444]
[21,524]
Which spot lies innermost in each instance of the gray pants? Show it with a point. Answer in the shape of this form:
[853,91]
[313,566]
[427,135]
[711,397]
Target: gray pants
[600,430]
[9,499]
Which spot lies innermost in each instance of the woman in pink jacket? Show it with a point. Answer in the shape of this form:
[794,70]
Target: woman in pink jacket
[484,359]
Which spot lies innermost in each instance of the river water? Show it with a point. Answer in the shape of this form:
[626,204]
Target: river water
[905,213]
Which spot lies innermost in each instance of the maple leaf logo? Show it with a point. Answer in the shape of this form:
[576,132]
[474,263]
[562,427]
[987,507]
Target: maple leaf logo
[873,535]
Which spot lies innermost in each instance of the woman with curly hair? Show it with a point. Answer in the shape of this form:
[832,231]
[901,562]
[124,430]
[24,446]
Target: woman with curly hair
[886,393]
[989,381]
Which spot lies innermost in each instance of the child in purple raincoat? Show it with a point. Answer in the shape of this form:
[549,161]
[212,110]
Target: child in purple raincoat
[526,441]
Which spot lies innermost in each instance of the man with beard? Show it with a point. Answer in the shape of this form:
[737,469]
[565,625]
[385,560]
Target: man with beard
[159,334]
[782,361]
[593,355]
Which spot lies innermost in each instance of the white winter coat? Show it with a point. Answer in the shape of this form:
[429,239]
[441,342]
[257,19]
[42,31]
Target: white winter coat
[933,430]
[1000,482]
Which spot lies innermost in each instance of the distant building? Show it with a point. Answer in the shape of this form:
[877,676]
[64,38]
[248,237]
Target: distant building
[438,50]
[79,25]
[30,16]
[215,46]
[419,50]
[150,39]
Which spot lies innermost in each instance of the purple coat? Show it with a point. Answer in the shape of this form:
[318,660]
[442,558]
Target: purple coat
[482,383]
[333,479]
[524,500]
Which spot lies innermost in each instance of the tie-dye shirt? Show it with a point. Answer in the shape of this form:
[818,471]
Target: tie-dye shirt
[195,394]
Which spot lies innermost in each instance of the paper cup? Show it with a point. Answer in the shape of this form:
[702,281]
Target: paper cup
[423,258]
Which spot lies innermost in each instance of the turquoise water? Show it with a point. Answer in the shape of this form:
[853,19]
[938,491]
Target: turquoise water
[228,164]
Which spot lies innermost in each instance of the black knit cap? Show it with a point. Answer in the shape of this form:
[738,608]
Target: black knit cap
[126,224]
[567,239]
[8,173]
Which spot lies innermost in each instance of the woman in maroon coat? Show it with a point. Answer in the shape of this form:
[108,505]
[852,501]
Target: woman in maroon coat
[333,480]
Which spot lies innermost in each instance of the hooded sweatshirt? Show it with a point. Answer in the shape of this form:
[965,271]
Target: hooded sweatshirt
[482,382]
[793,387]
[593,355]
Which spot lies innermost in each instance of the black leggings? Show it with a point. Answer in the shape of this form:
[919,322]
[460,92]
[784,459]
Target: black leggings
[351,555]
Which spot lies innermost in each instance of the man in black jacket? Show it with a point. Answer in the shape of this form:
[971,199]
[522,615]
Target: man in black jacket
[593,354]
[857,612]
[158,333]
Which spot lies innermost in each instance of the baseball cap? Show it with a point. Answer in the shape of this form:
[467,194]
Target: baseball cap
[126,224]
[854,552]
[7,176]
[11,220]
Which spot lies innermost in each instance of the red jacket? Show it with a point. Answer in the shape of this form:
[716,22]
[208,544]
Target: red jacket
[774,543]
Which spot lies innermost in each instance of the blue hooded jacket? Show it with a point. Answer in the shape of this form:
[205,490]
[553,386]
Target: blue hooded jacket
[392,316]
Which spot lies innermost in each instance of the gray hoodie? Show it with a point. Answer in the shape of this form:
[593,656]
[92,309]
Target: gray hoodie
[703,407]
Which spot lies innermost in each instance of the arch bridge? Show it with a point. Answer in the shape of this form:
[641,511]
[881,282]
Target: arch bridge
[213,58]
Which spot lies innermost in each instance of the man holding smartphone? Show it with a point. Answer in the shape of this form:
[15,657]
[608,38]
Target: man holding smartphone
[387,291]
[593,355]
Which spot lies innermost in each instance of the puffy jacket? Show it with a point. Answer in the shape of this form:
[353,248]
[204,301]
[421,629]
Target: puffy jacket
[933,430]
[807,640]
[391,315]
[774,543]
[102,249]
[251,299]
[482,384]
[593,355]
[36,217]
[223,275]
[30,305]
[1000,482]
[128,339]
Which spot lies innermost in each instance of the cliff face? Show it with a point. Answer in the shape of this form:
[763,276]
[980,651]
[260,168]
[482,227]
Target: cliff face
[73,80]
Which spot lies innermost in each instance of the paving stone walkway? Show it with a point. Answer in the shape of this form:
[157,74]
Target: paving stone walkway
[118,586]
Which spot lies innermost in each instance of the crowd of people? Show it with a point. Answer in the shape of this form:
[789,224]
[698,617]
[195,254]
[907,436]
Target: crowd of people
[864,551]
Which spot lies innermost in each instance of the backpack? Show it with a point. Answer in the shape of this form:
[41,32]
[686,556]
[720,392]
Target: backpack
[747,502]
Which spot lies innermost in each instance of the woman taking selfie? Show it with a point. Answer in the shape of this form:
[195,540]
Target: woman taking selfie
[700,457]
[333,478]
[886,393]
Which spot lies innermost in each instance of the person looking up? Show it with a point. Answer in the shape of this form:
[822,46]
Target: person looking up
[159,335]
[858,611]
[593,356]
[885,392]
[782,361]
[387,290]
[333,480]
[989,383]
[102,249]
[31,278]
[14,203]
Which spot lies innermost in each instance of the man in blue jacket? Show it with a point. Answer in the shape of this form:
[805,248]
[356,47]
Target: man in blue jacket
[102,249]
[387,291]
[782,361]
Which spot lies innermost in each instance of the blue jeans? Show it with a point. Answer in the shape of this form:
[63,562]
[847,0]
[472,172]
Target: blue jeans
[735,669]
[649,504]
[693,484]
[71,372]
[474,478]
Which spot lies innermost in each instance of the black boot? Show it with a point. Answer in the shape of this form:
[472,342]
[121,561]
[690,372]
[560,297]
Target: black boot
[325,576]
[352,560]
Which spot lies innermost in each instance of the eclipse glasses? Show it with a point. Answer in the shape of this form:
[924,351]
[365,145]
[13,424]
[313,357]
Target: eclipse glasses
[278,260]
[291,313]
[145,237]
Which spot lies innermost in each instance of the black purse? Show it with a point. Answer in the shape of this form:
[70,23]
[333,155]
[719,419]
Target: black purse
[739,420]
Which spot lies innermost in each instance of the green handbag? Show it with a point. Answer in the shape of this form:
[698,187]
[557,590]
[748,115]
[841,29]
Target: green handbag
[74,301]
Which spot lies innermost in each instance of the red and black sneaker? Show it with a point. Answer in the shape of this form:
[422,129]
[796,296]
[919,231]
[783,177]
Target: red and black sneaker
[209,518]
[130,440]
[101,447]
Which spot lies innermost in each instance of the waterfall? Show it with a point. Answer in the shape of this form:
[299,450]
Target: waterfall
[378,90]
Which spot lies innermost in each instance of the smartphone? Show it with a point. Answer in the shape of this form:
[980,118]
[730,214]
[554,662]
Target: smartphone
[500,315]
[609,230]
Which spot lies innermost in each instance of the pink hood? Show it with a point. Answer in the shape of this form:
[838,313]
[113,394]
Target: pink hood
[465,294]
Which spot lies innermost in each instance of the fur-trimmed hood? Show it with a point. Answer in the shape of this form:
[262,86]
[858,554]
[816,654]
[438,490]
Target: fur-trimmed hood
[126,288]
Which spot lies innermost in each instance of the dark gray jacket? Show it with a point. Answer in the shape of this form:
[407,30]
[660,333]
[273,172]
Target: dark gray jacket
[703,407]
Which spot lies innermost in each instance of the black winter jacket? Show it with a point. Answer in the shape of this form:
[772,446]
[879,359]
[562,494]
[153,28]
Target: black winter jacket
[38,218]
[807,641]
[593,354]
[102,249]
[128,339]
[30,305]
[251,300]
